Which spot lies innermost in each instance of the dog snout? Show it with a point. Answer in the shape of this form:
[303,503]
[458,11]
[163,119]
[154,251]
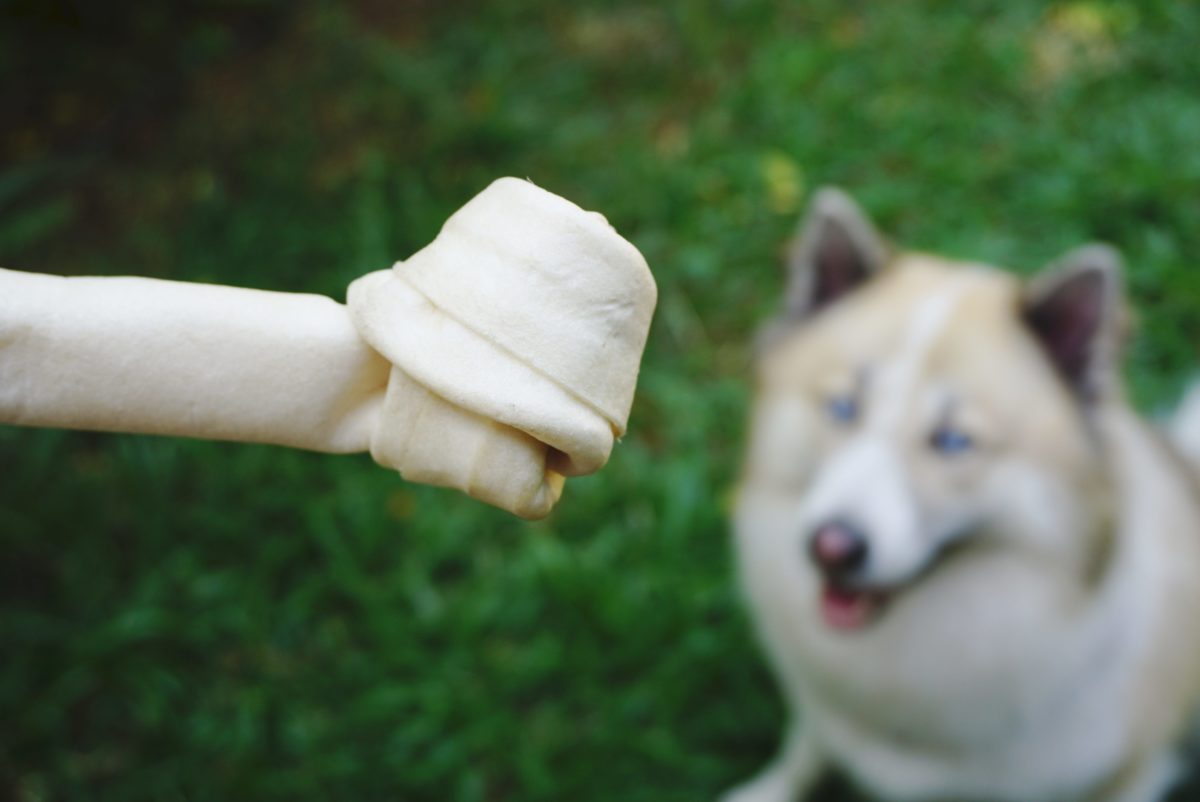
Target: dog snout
[838,549]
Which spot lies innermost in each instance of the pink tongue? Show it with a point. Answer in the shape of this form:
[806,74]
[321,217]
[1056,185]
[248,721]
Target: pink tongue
[846,609]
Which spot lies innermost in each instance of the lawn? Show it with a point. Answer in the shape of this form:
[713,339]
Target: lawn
[212,621]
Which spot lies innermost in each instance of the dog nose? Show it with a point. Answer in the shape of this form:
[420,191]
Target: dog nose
[838,549]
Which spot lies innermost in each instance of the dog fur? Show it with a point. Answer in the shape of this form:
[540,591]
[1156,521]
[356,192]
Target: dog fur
[1032,584]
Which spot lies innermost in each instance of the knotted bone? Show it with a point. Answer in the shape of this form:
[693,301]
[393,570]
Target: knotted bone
[499,359]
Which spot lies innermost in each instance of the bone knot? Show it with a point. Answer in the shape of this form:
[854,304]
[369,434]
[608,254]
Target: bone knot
[514,339]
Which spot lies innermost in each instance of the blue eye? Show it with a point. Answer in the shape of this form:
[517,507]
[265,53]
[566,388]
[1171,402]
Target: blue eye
[950,442]
[842,409]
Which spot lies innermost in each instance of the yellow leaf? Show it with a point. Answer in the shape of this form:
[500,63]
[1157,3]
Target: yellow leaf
[784,182]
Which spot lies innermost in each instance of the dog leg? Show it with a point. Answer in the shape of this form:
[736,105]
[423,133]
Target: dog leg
[789,777]
[1147,782]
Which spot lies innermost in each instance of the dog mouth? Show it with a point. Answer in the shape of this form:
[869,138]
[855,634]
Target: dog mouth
[847,608]
[848,605]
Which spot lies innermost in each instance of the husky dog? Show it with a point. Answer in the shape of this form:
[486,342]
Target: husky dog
[973,567]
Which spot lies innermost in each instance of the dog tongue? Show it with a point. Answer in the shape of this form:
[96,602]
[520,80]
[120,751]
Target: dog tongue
[844,608]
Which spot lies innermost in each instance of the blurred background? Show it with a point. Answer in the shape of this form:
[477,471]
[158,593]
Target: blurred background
[191,620]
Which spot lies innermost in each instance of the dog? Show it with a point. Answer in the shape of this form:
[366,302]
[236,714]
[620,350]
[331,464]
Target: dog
[973,568]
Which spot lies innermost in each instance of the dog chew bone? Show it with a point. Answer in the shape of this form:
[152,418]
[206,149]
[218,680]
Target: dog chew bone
[498,360]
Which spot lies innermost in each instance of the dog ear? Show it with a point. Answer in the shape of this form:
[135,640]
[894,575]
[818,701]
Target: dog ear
[1075,309]
[836,249]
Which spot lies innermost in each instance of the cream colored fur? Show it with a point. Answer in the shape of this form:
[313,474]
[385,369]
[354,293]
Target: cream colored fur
[1043,643]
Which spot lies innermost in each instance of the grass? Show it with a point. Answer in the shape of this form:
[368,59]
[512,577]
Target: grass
[190,620]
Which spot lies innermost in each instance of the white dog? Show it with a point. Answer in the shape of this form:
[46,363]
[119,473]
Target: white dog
[975,570]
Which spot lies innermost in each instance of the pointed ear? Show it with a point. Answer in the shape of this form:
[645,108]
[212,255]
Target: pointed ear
[1075,309]
[836,250]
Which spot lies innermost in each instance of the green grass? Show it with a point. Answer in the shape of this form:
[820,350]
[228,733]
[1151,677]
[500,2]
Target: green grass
[187,620]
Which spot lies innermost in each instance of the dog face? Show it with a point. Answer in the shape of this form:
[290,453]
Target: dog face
[914,413]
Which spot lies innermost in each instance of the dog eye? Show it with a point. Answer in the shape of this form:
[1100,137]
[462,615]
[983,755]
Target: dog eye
[950,442]
[842,409]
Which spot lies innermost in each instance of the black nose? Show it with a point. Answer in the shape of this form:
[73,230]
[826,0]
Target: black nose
[838,549]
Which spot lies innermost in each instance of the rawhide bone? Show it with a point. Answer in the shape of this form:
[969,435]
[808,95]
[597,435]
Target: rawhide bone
[499,359]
